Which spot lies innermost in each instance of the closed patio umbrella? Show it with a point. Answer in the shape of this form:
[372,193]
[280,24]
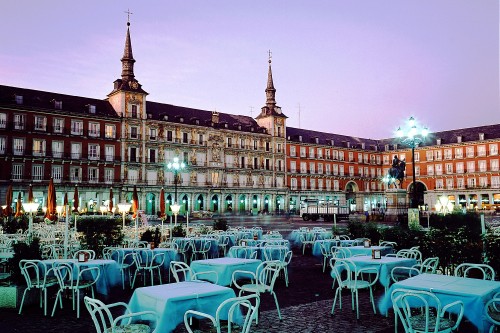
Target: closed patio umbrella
[30,194]
[65,203]
[8,201]
[135,202]
[51,213]
[162,203]
[75,200]
[19,206]
[111,200]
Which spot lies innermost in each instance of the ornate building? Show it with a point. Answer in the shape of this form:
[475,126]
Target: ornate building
[234,163]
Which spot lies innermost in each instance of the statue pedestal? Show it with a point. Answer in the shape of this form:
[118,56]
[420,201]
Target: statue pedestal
[397,204]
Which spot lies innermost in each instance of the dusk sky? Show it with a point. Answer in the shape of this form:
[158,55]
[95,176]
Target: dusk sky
[354,67]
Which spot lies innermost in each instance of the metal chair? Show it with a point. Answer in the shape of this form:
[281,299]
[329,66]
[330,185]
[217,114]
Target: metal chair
[482,271]
[37,276]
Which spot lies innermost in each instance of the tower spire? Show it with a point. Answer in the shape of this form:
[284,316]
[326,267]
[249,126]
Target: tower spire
[270,91]
[128,58]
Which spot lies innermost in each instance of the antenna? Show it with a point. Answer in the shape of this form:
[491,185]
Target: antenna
[299,114]
[251,111]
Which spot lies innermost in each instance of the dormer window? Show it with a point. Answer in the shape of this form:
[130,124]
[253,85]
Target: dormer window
[481,136]
[459,139]
[362,145]
[165,117]
[386,148]
[239,127]
[300,138]
[150,116]
[251,129]
[438,141]
[91,108]
[316,140]
[225,125]
[332,142]
[58,105]
[197,121]
[19,99]
[181,119]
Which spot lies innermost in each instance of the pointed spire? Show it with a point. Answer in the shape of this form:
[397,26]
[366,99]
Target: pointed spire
[128,59]
[270,91]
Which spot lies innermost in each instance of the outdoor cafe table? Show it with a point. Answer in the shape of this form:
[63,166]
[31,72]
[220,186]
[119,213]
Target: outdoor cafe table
[295,236]
[474,293]
[171,301]
[110,272]
[367,251]
[242,251]
[198,241]
[384,265]
[225,267]
[170,254]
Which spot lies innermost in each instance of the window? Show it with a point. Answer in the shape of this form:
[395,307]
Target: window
[75,174]
[152,134]
[268,164]
[152,156]
[481,150]
[38,147]
[449,183]
[365,158]
[17,171]
[438,156]
[109,131]
[37,172]
[242,143]
[268,146]
[351,170]
[76,151]
[482,166]
[293,166]
[335,155]
[279,148]
[471,166]
[19,99]
[327,154]
[320,153]
[449,168]
[336,185]
[494,165]
[93,175]
[56,173]
[311,152]
[303,184]
[460,183]
[447,154]
[134,132]
[40,123]
[133,175]
[439,184]
[2,145]
[169,136]
[417,170]
[335,169]
[469,151]
[341,170]
[459,153]
[351,156]
[360,157]
[76,127]
[493,149]
[341,155]
[320,168]
[303,152]
[19,121]
[58,125]
[430,170]
[417,157]
[255,163]
[312,183]
[439,169]
[185,138]
[3,120]
[327,169]
[254,144]
[328,185]
[134,111]
[57,149]
[303,167]
[460,167]
[94,129]
[428,155]
[200,139]
[471,182]
[280,165]
[386,159]
[132,154]
[58,105]
[293,153]
[109,175]
[293,183]
[495,182]
[483,182]
[242,162]
[109,153]
[18,146]
[93,151]
[312,168]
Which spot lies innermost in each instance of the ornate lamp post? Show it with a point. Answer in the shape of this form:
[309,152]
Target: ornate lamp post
[175,166]
[30,207]
[412,137]
[123,208]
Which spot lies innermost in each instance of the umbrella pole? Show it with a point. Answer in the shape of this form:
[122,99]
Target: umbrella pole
[66,222]
[170,229]
[162,234]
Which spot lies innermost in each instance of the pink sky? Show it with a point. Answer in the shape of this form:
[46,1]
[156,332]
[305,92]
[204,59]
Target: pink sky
[357,67]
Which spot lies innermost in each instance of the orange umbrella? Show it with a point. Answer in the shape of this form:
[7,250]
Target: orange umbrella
[111,199]
[75,200]
[19,206]
[135,202]
[51,213]
[30,194]
[8,201]
[162,203]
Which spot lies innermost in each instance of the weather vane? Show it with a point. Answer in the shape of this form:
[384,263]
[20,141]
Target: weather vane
[270,55]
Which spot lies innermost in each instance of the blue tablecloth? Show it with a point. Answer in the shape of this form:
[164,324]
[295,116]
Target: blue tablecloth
[225,267]
[170,254]
[110,275]
[473,292]
[171,301]
[197,241]
[384,266]
[295,236]
[243,251]
[367,251]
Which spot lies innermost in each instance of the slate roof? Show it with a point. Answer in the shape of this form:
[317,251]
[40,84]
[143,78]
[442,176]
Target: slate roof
[37,100]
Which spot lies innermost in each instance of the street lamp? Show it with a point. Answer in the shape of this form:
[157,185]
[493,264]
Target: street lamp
[123,208]
[30,207]
[413,137]
[176,166]
[175,210]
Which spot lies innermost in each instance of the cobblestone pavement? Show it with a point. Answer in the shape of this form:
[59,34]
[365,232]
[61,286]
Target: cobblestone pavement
[305,307]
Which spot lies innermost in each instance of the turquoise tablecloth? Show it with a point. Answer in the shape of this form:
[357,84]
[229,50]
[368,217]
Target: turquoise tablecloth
[384,266]
[473,292]
[170,254]
[225,267]
[171,301]
[296,240]
[367,251]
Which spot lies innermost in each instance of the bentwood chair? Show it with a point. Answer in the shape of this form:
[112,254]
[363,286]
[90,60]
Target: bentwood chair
[37,276]
[492,311]
[482,271]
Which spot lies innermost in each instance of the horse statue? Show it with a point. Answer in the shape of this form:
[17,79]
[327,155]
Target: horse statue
[396,173]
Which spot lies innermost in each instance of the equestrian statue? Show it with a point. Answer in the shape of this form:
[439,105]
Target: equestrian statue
[397,172]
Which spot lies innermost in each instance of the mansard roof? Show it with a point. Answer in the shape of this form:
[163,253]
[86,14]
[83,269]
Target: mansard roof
[43,101]
[174,113]
[330,139]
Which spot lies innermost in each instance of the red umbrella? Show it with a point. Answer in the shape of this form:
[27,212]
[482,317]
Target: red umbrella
[8,201]
[51,213]
[135,202]
[65,204]
[111,199]
[75,200]
[19,206]
[30,194]
[162,203]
